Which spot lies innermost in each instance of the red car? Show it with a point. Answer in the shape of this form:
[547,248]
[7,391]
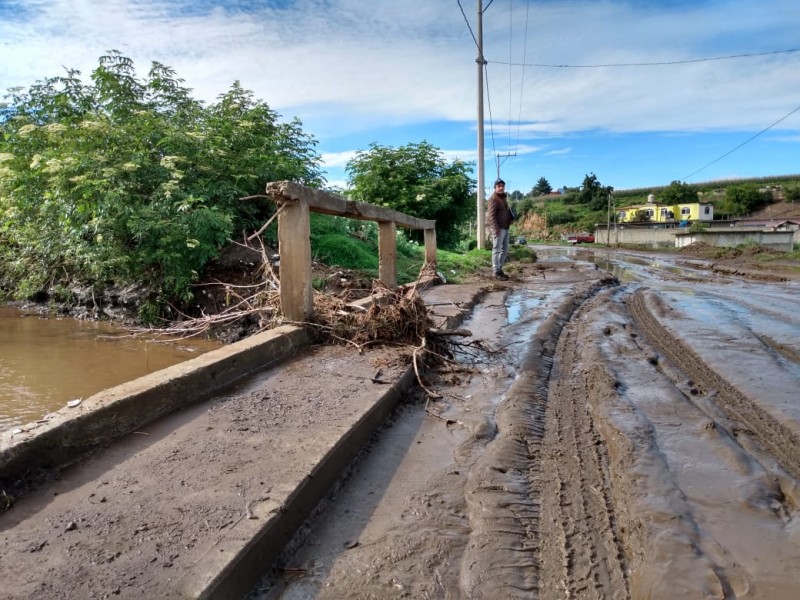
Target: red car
[581,238]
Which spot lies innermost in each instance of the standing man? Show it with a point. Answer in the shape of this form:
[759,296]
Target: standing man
[499,219]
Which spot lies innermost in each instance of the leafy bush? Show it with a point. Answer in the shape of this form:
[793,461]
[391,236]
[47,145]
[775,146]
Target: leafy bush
[417,180]
[131,180]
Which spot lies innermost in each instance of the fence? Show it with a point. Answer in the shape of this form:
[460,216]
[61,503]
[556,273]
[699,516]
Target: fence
[296,202]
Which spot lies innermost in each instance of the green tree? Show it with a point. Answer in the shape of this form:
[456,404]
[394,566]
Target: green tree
[417,180]
[742,200]
[678,193]
[127,180]
[594,194]
[791,193]
[542,187]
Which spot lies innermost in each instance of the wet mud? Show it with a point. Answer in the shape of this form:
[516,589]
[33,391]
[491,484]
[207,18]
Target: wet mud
[632,432]
[638,439]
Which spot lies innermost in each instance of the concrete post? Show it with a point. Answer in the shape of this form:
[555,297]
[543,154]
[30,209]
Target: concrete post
[294,245]
[387,253]
[430,246]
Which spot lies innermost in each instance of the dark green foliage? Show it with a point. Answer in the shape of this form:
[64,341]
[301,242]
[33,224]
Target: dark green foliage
[593,194]
[131,180]
[525,206]
[542,187]
[743,200]
[561,215]
[416,179]
[678,193]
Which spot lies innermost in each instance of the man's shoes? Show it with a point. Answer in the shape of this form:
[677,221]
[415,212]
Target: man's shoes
[500,275]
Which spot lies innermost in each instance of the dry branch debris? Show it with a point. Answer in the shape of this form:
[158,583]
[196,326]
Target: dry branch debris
[395,317]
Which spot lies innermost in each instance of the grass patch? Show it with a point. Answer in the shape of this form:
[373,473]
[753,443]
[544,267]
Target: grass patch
[341,250]
[522,254]
[455,266]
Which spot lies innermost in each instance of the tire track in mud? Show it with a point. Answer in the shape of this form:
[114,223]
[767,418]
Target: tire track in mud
[778,440]
[542,526]
[574,489]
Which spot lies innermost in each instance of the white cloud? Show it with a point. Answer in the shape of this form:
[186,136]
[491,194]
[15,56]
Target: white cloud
[404,61]
[559,152]
[338,159]
[391,62]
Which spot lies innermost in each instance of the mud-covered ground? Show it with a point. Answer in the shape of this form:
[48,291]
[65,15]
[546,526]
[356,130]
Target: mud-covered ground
[632,433]
[638,438]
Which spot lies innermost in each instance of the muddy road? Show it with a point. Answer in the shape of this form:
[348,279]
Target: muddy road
[633,437]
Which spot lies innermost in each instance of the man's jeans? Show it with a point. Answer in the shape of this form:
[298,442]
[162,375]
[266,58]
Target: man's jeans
[499,249]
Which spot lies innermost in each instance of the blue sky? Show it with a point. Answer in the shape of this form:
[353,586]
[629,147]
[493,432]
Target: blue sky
[395,72]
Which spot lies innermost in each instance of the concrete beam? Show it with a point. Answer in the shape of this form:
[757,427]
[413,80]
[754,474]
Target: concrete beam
[326,203]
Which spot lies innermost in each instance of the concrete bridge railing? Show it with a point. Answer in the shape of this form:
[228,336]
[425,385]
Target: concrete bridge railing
[296,202]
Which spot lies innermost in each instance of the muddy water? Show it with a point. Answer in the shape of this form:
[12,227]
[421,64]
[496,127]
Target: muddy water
[46,362]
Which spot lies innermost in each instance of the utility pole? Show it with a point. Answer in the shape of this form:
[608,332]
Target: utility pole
[499,162]
[481,176]
[608,222]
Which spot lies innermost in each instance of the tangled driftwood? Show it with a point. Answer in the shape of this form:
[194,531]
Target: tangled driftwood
[396,317]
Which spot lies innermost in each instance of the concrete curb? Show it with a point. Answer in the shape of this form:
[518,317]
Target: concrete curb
[241,557]
[64,436]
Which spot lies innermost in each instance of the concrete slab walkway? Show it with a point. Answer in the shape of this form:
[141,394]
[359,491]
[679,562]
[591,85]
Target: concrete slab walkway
[199,502]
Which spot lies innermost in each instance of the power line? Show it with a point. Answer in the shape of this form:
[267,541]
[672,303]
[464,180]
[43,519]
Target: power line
[510,68]
[747,141]
[647,64]
[466,20]
[489,103]
[522,77]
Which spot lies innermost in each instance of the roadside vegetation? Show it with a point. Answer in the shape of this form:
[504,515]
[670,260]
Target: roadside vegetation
[117,184]
[350,244]
[127,181]
[120,182]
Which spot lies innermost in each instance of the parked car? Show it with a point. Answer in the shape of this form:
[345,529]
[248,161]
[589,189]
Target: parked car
[521,241]
[581,238]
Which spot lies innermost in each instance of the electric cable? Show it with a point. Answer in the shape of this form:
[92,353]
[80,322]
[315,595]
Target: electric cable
[510,67]
[649,64]
[522,77]
[747,141]
[489,104]
[466,20]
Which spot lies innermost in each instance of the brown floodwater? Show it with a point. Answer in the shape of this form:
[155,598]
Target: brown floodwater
[46,362]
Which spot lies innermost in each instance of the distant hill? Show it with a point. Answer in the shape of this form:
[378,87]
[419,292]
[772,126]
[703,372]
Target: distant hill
[712,185]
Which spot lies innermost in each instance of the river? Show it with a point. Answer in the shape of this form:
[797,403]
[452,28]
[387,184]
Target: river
[46,362]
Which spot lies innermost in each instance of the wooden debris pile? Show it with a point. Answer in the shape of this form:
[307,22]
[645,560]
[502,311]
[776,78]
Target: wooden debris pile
[396,317]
